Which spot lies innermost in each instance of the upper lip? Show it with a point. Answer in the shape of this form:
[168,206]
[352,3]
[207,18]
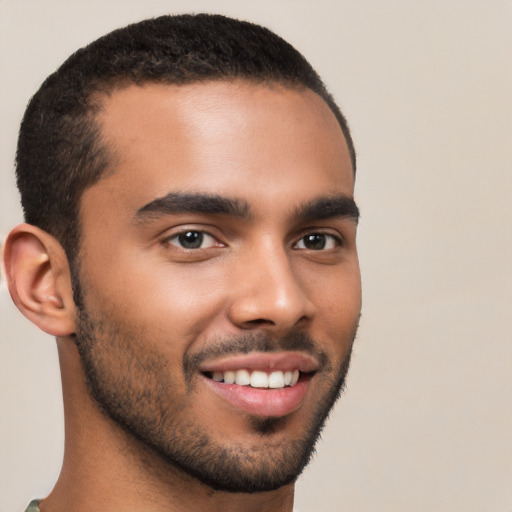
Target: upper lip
[263,361]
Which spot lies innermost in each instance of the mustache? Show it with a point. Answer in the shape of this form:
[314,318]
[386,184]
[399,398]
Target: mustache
[256,342]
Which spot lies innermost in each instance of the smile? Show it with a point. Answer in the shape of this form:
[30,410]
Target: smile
[262,384]
[258,379]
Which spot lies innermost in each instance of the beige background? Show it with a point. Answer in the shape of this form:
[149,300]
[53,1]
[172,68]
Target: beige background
[426,422]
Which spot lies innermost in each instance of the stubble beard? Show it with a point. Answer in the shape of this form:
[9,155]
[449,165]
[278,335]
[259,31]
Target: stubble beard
[130,384]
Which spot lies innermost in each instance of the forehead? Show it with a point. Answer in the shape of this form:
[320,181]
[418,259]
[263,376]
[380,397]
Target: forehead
[230,138]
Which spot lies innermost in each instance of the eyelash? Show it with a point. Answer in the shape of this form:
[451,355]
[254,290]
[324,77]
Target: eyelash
[331,240]
[335,241]
[203,234]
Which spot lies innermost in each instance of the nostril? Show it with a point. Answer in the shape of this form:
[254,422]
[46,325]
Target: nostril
[281,307]
[303,319]
[259,321]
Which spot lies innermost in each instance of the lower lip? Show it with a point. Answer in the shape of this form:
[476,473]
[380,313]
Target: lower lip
[262,402]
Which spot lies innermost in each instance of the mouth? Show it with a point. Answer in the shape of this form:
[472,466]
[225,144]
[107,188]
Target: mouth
[263,385]
[259,379]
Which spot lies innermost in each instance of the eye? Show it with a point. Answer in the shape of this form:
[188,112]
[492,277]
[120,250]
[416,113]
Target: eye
[192,239]
[317,242]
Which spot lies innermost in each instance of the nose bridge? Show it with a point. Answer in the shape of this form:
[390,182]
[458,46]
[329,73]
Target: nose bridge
[269,291]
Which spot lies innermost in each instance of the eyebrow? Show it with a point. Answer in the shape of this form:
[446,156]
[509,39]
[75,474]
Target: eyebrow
[328,207]
[175,202]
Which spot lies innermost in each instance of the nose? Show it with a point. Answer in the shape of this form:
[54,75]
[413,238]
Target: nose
[268,293]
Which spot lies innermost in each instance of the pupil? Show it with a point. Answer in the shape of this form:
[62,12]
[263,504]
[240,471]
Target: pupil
[314,241]
[191,239]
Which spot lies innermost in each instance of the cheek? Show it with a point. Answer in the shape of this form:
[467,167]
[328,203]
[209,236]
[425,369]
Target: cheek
[338,305]
[175,302]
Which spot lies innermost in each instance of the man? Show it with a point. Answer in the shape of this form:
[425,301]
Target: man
[190,240]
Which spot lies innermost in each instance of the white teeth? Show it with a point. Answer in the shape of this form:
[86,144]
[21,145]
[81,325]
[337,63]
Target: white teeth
[258,379]
[229,377]
[242,377]
[276,380]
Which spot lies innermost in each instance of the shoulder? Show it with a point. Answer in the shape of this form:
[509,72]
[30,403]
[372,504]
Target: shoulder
[33,506]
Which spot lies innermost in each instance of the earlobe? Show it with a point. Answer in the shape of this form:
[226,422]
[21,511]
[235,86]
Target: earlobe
[38,278]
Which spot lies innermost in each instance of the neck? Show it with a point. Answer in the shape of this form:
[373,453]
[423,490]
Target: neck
[106,469]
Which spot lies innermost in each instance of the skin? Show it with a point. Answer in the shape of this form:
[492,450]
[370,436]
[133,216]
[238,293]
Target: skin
[271,149]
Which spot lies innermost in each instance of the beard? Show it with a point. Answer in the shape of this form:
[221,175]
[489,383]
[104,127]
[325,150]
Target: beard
[131,383]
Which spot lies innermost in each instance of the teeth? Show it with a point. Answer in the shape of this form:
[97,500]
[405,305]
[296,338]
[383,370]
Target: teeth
[276,380]
[229,377]
[242,377]
[258,379]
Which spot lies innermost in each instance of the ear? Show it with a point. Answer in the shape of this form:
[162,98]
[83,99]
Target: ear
[39,280]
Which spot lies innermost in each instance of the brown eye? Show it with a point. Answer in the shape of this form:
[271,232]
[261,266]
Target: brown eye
[192,240]
[317,242]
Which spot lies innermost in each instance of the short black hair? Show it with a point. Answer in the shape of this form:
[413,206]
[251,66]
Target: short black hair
[60,150]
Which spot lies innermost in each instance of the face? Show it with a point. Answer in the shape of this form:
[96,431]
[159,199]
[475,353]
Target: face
[220,277]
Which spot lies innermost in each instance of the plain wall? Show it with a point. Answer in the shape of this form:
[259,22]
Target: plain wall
[426,422]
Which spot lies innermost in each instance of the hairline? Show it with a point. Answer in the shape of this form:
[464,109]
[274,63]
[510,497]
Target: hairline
[97,99]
